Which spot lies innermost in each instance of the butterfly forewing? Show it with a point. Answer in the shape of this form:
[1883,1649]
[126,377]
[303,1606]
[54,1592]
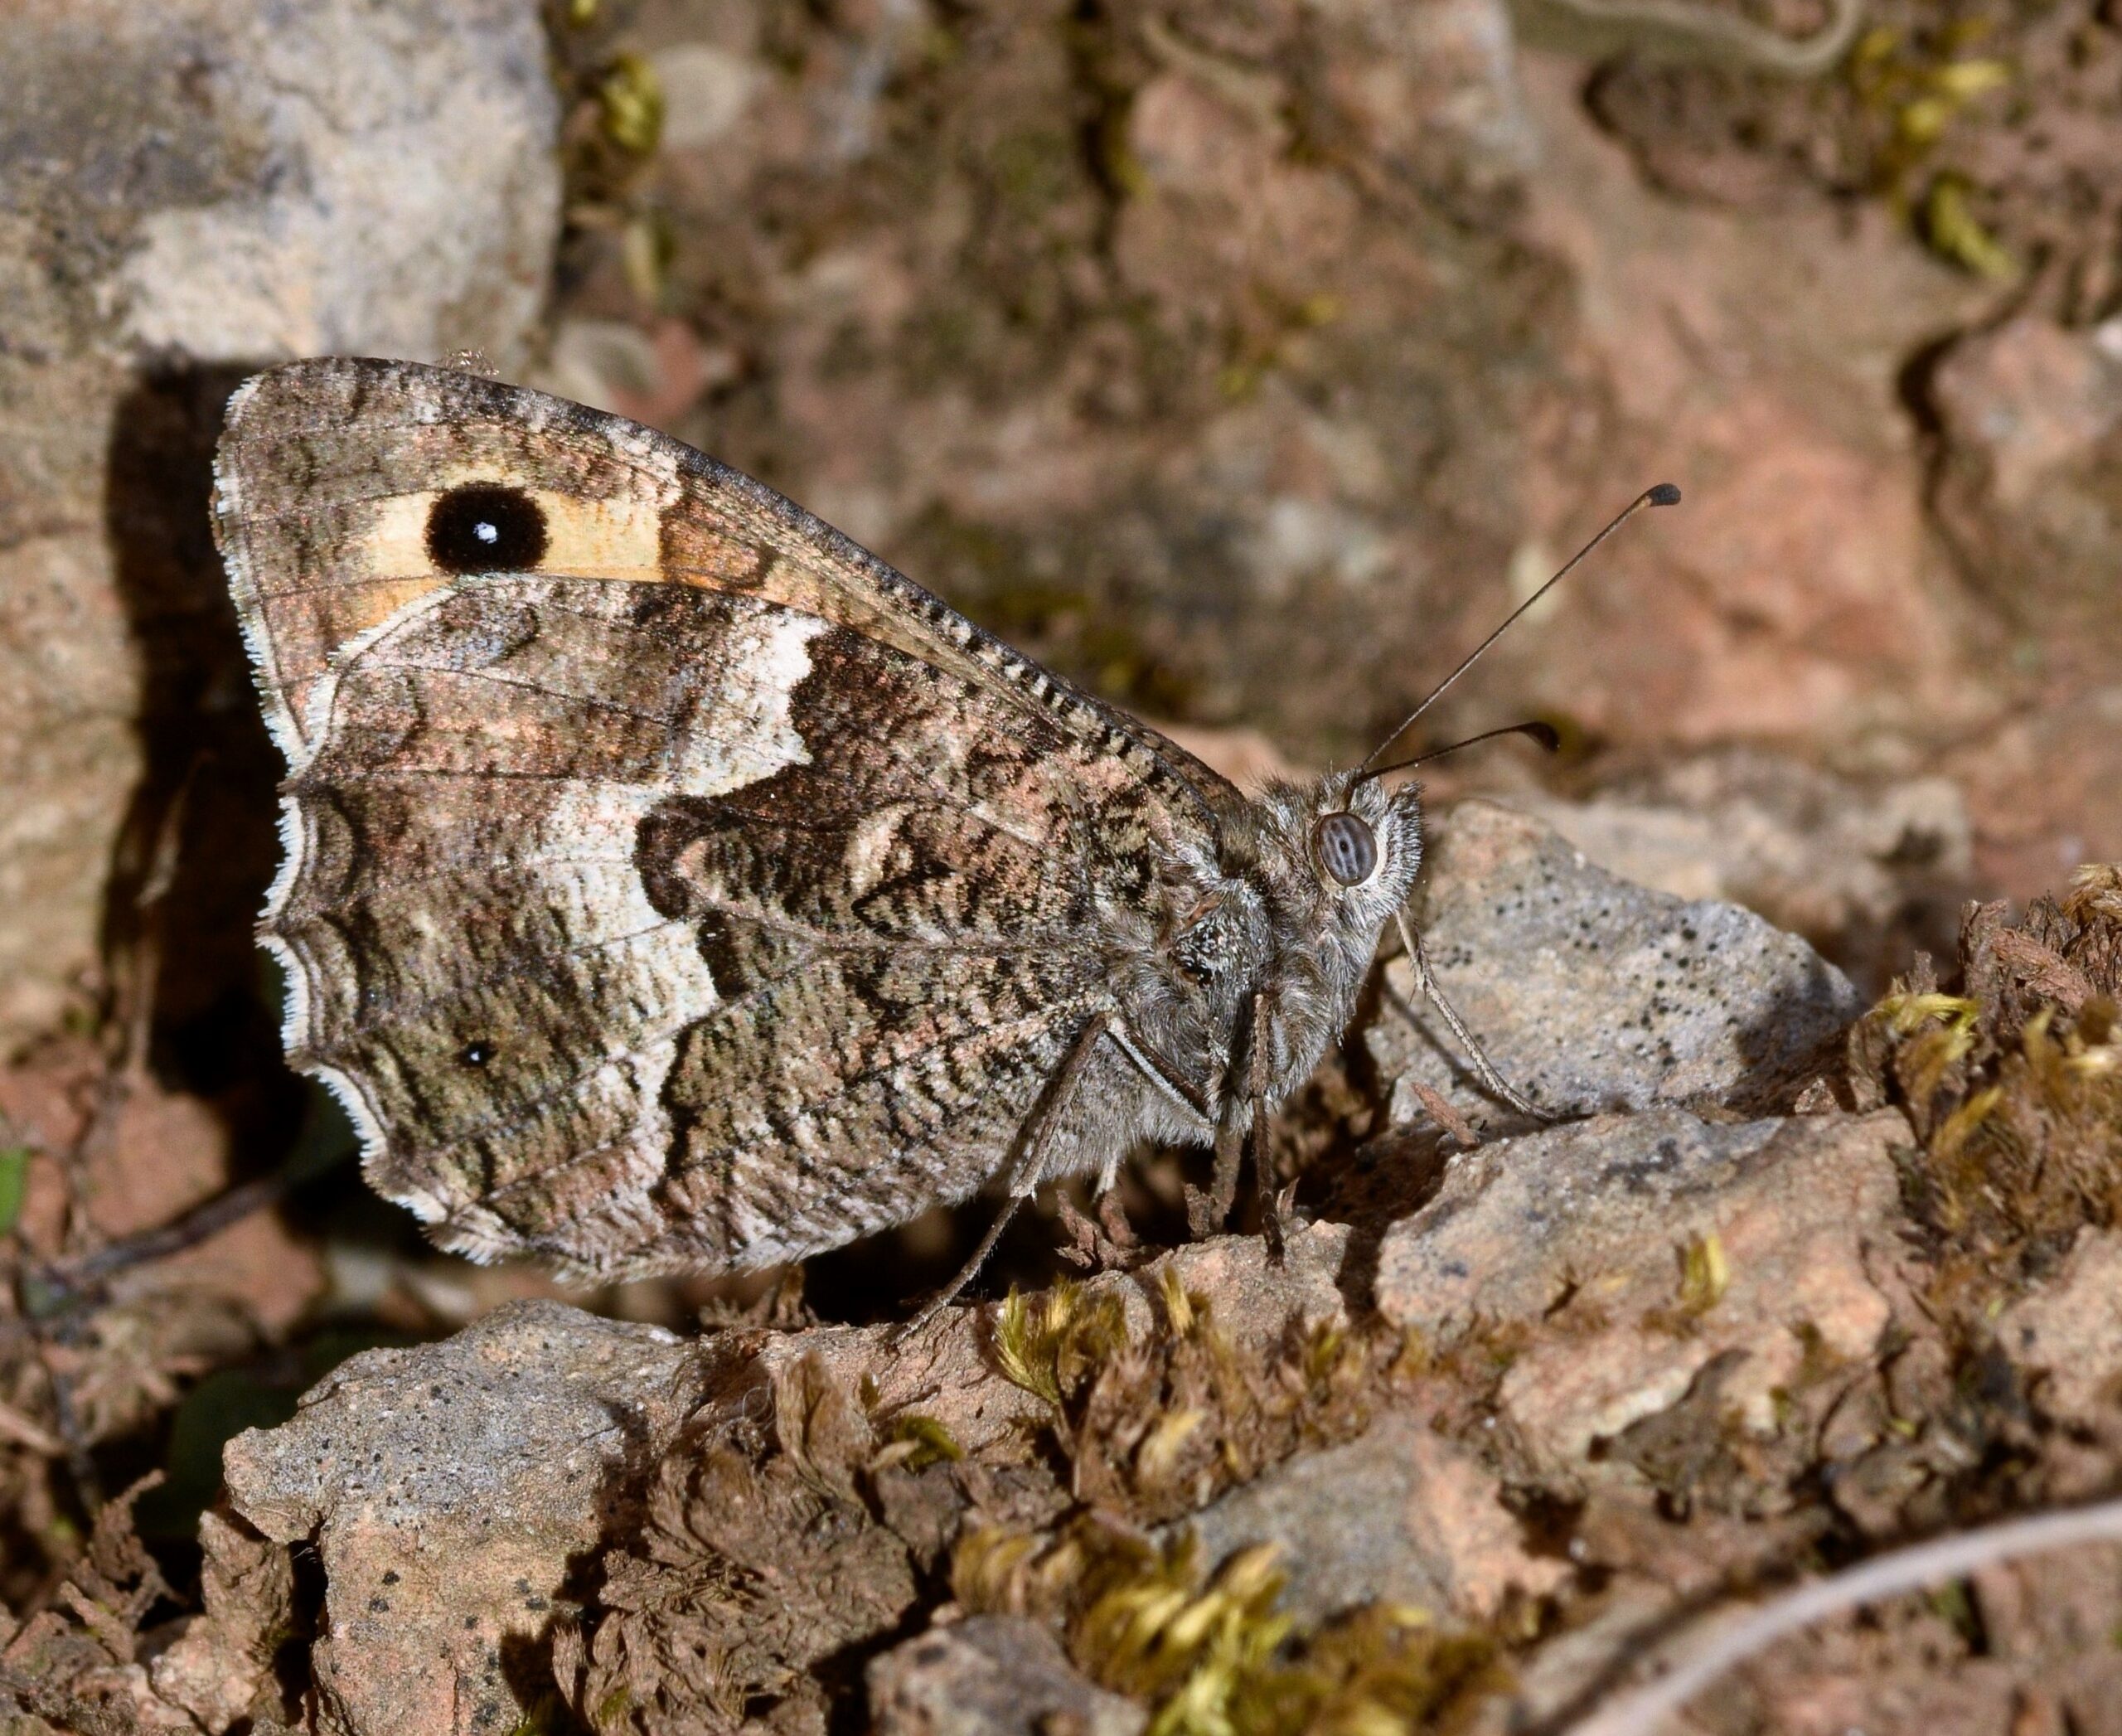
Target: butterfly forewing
[700,895]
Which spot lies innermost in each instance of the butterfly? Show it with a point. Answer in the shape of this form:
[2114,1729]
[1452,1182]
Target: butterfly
[670,884]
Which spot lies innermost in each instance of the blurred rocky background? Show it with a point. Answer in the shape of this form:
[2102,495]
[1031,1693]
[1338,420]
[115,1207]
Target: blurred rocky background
[1247,361]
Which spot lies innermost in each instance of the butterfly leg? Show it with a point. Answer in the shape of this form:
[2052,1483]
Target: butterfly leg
[1106,1243]
[1208,1209]
[1483,1068]
[1025,1174]
[1258,1069]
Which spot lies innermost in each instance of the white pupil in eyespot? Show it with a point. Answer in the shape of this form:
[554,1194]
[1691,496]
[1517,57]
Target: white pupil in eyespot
[486,532]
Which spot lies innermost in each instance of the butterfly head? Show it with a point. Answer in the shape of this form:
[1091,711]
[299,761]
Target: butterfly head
[1330,861]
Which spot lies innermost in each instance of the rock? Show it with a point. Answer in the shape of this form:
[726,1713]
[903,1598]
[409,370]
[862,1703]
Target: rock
[1849,1679]
[1244,756]
[191,190]
[2046,788]
[946,1371]
[1555,1682]
[447,1490]
[1799,595]
[157,1154]
[1599,1235]
[221,1668]
[1197,488]
[990,1676]
[613,364]
[788,1489]
[2054,1617]
[1434,91]
[2032,426]
[2029,443]
[2068,1334]
[453,1489]
[1399,1515]
[1865,872]
[706,89]
[1589,993]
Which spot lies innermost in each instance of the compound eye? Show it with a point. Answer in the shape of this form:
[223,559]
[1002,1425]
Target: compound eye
[1345,848]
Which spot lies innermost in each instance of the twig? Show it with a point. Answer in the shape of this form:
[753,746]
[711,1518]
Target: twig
[1730,34]
[206,1219]
[1441,1112]
[79,1465]
[1729,1642]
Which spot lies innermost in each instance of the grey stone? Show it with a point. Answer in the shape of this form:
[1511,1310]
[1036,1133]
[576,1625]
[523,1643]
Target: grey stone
[1399,1515]
[1864,870]
[990,1676]
[187,190]
[1599,1217]
[450,1489]
[447,1489]
[1591,994]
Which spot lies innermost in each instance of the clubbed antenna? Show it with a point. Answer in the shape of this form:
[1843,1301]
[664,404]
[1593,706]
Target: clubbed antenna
[1663,494]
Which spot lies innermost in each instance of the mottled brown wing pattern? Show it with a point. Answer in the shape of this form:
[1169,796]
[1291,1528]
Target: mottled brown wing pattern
[705,897]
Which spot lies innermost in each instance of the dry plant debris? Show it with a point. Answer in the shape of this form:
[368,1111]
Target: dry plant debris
[794,1528]
[2012,1087]
[77,1664]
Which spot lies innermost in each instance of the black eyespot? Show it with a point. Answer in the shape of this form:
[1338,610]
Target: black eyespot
[486,528]
[475,1054]
[1345,847]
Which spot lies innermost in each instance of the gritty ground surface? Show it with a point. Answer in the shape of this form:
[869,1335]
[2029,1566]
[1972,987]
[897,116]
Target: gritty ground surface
[1492,1424]
[1245,361]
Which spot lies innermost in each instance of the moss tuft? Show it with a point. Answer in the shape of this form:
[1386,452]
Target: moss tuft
[2012,1088]
[1050,1345]
[1209,1652]
[914,1442]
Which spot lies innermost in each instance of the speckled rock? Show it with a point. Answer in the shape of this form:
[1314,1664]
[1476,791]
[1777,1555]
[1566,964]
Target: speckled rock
[1400,1514]
[1865,872]
[451,1488]
[1795,1228]
[187,190]
[1590,994]
[990,1676]
[448,1489]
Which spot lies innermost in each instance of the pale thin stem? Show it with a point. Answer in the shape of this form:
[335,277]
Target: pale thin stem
[1731,36]
[1642,1711]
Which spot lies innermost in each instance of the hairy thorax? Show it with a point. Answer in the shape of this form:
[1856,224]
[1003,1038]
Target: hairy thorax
[1262,953]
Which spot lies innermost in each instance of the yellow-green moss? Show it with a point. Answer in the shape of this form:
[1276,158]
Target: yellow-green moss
[1209,1651]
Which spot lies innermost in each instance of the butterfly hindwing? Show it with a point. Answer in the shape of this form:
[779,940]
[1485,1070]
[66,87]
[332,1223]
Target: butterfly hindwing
[687,889]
